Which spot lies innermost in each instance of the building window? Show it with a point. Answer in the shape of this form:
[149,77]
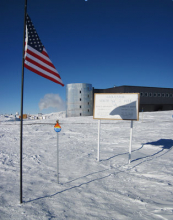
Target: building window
[167,95]
[142,94]
[80,91]
[170,95]
[146,94]
[88,103]
[155,95]
[80,114]
[80,106]
[88,110]
[163,94]
[150,94]
[159,95]
[80,99]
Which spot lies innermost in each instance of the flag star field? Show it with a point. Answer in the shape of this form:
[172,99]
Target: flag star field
[33,38]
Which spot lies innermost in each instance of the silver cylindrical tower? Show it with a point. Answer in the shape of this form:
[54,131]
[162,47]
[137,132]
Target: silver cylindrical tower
[79,98]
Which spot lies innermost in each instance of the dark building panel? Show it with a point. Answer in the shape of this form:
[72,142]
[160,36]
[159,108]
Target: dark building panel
[151,98]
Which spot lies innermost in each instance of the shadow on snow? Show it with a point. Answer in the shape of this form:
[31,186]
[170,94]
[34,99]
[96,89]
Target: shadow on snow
[165,143]
[121,154]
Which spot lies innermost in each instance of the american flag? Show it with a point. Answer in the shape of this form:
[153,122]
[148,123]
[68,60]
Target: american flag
[36,57]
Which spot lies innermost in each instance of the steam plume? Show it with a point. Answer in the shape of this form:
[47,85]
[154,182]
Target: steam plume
[52,100]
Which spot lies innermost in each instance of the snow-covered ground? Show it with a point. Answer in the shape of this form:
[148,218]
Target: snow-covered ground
[88,189]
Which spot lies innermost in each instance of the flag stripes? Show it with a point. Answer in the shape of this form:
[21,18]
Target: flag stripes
[40,62]
[36,57]
[42,74]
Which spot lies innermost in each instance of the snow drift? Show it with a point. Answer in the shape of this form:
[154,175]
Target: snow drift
[88,189]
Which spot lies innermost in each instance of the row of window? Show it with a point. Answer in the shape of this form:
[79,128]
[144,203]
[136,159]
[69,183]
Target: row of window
[81,92]
[87,89]
[81,105]
[81,113]
[150,94]
[81,100]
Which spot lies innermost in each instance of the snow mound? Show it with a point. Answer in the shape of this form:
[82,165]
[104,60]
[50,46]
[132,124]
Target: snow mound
[56,115]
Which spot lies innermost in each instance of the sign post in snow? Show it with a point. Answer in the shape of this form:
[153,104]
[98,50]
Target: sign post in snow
[116,106]
[57,128]
[98,151]
[130,146]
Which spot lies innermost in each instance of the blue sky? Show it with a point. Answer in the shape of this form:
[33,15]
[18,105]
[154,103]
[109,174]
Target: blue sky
[102,42]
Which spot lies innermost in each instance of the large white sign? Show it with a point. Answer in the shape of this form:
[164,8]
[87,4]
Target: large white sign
[116,106]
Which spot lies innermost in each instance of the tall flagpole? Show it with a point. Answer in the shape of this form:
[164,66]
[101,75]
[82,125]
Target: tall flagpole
[21,120]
